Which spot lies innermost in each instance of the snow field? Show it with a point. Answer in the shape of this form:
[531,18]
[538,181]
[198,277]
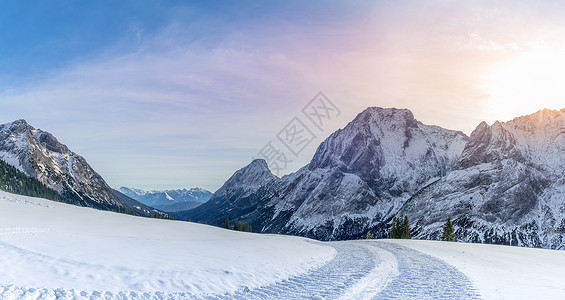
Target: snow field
[59,248]
[50,250]
[501,272]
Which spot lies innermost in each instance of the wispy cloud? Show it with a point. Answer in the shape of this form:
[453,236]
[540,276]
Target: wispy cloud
[194,101]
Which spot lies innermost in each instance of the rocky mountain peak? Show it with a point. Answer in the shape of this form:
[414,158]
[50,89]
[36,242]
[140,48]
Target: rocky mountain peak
[256,173]
[503,184]
[487,144]
[385,117]
[17,123]
[39,154]
[247,179]
[383,144]
[16,127]
[380,114]
[539,138]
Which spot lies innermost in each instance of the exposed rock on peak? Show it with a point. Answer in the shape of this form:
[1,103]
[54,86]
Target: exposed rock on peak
[251,177]
[240,194]
[357,179]
[39,154]
[508,187]
[504,184]
[382,144]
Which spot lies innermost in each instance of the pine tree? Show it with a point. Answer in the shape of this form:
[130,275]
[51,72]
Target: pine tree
[405,229]
[448,234]
[227,224]
[394,228]
[14,181]
[400,228]
[369,236]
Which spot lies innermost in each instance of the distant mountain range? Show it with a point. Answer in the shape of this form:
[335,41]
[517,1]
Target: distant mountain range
[169,200]
[504,184]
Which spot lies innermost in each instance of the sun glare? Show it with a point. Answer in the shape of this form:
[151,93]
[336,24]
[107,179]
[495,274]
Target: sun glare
[529,82]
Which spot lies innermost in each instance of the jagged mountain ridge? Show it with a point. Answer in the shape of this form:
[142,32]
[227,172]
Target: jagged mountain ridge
[503,184]
[38,154]
[239,195]
[358,178]
[169,200]
[508,186]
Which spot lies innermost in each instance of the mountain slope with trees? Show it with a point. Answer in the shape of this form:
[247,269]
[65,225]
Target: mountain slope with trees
[504,184]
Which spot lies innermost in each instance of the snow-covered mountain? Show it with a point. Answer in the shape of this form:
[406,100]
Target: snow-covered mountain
[240,194]
[503,184]
[358,179]
[40,155]
[169,200]
[507,187]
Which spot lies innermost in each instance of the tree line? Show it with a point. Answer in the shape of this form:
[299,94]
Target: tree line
[238,226]
[14,181]
[400,229]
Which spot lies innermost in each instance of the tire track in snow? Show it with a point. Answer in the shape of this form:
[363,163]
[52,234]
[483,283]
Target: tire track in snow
[381,275]
[425,277]
[370,270]
[360,270]
[352,263]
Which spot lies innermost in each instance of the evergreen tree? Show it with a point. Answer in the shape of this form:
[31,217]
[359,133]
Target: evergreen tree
[240,226]
[369,236]
[405,229]
[14,181]
[394,228]
[400,228]
[227,224]
[448,234]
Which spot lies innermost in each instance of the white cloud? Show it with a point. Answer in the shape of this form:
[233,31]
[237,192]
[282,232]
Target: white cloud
[181,112]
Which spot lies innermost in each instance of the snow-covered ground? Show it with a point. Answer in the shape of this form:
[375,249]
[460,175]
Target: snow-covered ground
[58,249]
[502,272]
[51,250]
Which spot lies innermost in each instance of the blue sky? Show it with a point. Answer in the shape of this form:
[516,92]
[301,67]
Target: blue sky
[171,94]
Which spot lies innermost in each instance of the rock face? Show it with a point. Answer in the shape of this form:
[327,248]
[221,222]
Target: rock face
[40,155]
[241,194]
[358,179]
[508,186]
[504,184]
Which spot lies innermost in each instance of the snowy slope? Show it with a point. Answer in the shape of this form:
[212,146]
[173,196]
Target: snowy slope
[501,272]
[45,244]
[52,250]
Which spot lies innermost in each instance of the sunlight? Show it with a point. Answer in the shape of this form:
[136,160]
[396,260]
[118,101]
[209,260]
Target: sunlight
[529,82]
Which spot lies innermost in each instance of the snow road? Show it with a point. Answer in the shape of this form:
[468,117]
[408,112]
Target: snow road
[51,250]
[359,270]
[371,270]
